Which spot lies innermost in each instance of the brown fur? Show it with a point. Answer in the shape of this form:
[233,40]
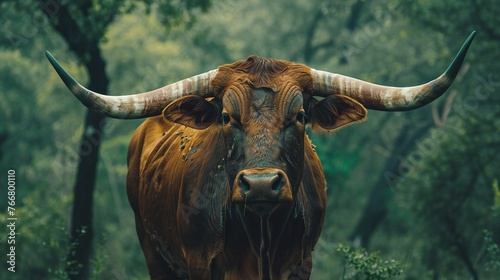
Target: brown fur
[180,165]
[260,72]
[160,176]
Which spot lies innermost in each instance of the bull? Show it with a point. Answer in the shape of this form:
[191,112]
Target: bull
[222,178]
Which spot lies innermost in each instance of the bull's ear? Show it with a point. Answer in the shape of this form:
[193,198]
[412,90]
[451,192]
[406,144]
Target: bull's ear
[192,111]
[336,111]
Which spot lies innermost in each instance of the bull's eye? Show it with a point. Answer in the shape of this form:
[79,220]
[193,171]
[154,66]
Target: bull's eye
[301,117]
[225,119]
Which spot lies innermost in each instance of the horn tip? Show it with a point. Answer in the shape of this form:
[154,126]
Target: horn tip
[51,58]
[68,80]
[456,64]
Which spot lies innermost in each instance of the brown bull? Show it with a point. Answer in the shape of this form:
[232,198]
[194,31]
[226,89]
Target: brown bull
[222,178]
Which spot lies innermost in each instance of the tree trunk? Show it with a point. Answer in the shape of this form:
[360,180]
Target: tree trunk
[81,227]
[75,22]
[72,27]
[376,208]
[351,23]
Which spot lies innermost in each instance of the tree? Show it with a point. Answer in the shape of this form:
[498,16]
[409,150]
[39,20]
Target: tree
[448,198]
[83,25]
[376,208]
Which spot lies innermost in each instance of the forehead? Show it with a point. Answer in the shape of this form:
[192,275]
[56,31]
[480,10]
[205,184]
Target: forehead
[262,100]
[260,73]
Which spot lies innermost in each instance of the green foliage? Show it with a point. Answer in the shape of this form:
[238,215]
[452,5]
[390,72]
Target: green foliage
[368,266]
[41,235]
[448,192]
[448,197]
[492,252]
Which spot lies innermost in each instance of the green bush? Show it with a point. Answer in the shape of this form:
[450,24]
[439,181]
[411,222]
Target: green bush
[368,266]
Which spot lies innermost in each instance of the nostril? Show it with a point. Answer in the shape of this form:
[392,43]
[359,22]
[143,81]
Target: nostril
[244,184]
[278,182]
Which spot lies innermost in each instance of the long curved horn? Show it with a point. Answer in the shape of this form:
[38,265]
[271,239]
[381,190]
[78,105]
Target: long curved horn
[140,105]
[383,98]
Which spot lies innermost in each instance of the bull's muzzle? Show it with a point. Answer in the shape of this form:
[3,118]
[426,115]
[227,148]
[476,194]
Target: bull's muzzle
[262,190]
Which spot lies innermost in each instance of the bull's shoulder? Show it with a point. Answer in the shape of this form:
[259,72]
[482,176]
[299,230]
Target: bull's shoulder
[147,136]
[151,129]
[159,143]
[143,140]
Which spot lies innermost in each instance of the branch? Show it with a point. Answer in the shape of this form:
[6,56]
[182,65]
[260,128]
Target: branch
[311,31]
[75,23]
[61,20]
[461,247]
[351,24]
[353,20]
[441,121]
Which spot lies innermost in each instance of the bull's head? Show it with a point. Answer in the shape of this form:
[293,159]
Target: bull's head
[262,107]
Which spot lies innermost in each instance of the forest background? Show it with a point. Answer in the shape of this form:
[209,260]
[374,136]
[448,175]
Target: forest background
[421,187]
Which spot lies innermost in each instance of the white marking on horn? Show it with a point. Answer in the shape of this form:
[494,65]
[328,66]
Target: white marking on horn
[139,106]
[179,90]
[115,104]
[409,94]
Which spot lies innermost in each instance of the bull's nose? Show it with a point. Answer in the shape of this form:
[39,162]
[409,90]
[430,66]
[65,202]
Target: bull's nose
[262,190]
[261,186]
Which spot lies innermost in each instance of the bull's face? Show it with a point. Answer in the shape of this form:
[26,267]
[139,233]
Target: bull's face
[264,133]
[265,138]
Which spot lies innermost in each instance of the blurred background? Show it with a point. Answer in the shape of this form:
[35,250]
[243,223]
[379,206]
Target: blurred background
[419,187]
